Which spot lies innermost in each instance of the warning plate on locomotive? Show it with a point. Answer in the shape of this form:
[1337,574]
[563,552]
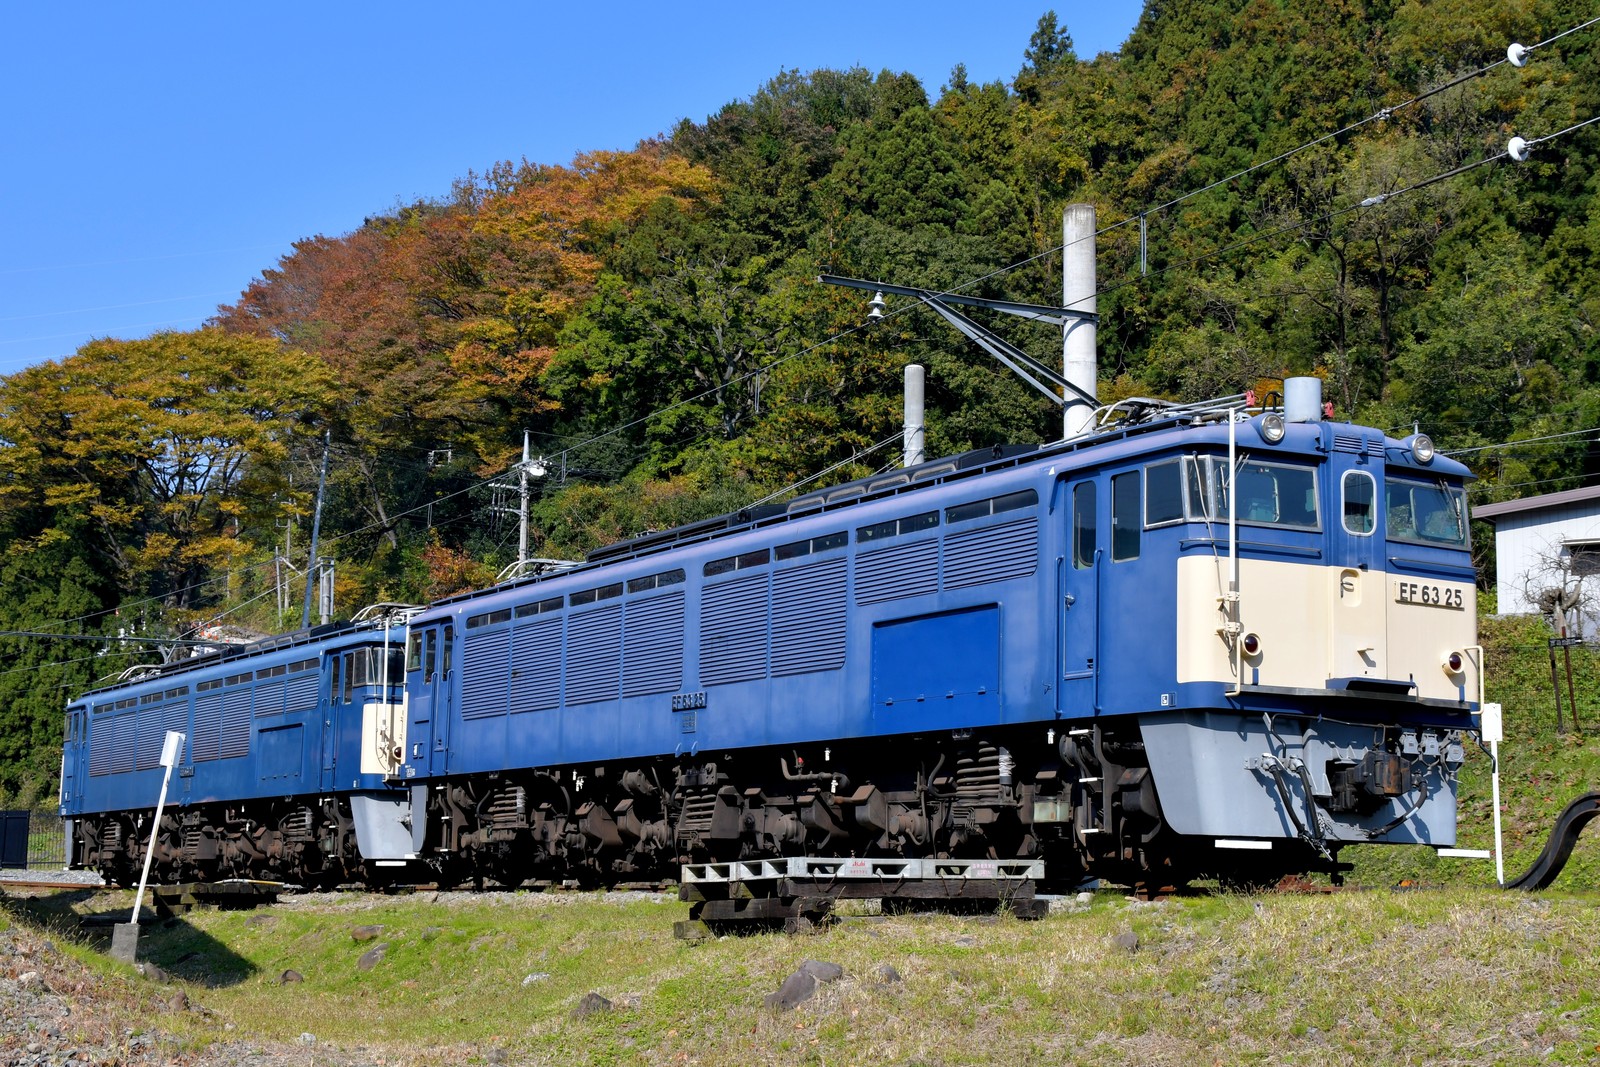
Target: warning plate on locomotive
[1428,594]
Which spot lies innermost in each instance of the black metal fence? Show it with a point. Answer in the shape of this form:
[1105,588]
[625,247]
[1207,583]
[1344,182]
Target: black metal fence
[33,840]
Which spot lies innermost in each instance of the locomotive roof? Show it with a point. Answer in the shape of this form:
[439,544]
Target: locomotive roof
[277,642]
[1200,425]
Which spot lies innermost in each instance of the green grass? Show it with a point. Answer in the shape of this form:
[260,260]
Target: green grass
[1382,977]
[1541,770]
[1456,972]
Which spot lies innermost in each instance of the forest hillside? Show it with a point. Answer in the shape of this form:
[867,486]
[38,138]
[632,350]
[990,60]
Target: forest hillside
[1322,186]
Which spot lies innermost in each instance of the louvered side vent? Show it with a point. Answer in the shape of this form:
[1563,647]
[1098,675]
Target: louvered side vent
[901,571]
[733,631]
[652,649]
[269,698]
[235,740]
[176,717]
[991,554]
[102,742]
[150,737]
[536,666]
[594,655]
[485,674]
[122,744]
[1349,442]
[207,727]
[808,610]
[301,691]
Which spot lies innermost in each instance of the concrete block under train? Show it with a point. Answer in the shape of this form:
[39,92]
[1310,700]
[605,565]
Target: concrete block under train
[1204,641]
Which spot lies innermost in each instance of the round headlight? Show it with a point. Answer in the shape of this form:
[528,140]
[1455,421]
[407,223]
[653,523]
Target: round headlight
[1270,426]
[1453,662]
[1252,644]
[1422,448]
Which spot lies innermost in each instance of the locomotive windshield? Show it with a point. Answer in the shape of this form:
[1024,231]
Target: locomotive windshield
[1271,494]
[1429,513]
[365,666]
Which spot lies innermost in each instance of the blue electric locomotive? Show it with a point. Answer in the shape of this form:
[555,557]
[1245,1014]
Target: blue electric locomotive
[1194,644]
[1201,641]
[292,745]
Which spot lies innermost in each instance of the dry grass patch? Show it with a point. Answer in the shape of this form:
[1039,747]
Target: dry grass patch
[1375,977]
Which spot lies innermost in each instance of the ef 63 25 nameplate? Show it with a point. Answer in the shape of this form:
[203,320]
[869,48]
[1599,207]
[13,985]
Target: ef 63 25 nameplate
[1429,595]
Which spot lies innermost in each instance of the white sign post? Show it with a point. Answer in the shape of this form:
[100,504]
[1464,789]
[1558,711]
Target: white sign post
[125,936]
[1493,728]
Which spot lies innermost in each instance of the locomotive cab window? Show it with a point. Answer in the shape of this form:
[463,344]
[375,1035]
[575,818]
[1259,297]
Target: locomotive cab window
[414,651]
[1270,494]
[1125,517]
[1427,513]
[1163,493]
[1360,496]
[1084,534]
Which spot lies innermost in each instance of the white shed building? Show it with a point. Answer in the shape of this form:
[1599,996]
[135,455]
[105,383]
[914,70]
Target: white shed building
[1544,546]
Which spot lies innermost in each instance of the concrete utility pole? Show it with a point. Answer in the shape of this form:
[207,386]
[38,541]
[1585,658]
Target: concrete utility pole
[1078,336]
[316,529]
[912,443]
[522,510]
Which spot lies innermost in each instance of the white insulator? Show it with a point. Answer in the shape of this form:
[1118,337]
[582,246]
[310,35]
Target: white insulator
[1517,55]
[1517,149]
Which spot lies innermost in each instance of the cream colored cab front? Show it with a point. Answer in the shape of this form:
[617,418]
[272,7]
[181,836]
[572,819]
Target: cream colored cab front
[1320,627]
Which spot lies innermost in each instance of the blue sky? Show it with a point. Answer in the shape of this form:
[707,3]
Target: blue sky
[154,158]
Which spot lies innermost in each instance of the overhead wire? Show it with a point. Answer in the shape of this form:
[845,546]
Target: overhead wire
[833,339]
[1379,199]
[1381,114]
[1517,442]
[854,457]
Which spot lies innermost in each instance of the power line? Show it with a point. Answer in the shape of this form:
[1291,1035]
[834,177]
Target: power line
[1373,201]
[1519,441]
[106,637]
[1383,113]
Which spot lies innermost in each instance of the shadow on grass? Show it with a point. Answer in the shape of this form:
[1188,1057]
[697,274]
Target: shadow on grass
[185,953]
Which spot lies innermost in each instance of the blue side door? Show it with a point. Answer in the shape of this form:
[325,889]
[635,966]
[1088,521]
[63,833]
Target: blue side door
[429,651]
[74,754]
[329,709]
[1079,580]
